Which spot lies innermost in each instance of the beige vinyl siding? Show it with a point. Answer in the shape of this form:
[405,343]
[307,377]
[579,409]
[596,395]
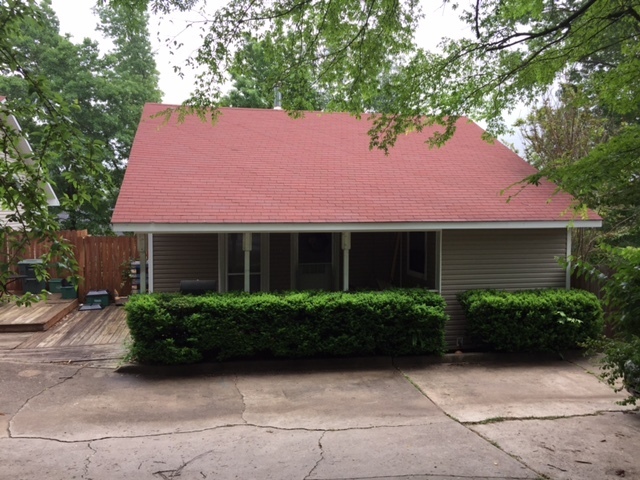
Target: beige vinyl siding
[183,257]
[4,220]
[501,259]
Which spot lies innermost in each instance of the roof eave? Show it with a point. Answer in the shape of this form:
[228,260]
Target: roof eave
[346,227]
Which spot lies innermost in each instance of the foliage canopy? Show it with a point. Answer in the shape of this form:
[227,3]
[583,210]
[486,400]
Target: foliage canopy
[78,109]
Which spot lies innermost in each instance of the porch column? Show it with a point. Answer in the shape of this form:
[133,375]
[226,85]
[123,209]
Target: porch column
[150,260]
[246,247]
[346,246]
[142,250]
[568,272]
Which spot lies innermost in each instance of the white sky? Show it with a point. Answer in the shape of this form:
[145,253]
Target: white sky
[77,19]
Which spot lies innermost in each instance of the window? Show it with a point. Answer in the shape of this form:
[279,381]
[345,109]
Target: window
[423,257]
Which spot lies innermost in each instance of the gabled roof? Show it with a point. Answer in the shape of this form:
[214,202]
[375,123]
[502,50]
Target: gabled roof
[264,170]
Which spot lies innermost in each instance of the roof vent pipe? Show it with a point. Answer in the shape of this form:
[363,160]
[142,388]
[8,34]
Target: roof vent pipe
[277,101]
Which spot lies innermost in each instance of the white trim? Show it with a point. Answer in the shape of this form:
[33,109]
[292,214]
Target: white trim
[568,272]
[150,261]
[223,252]
[439,262]
[25,149]
[142,239]
[247,245]
[344,227]
[346,246]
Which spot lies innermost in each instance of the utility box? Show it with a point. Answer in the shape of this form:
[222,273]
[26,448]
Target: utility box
[97,297]
[33,285]
[55,284]
[69,293]
[27,267]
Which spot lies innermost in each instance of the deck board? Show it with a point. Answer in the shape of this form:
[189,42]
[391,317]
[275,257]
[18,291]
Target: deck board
[97,355]
[93,338]
[36,317]
[93,327]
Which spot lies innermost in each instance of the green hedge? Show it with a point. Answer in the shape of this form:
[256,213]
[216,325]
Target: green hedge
[532,320]
[173,328]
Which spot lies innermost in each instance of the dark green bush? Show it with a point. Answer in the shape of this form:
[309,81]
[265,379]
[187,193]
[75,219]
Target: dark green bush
[173,329]
[532,320]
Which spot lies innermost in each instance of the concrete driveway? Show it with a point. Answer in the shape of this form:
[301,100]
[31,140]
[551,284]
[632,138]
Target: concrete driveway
[469,417]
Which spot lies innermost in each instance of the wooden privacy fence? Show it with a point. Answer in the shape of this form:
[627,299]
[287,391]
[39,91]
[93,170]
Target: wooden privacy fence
[104,262]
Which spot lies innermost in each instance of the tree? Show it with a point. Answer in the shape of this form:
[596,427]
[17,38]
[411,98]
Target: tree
[78,111]
[560,133]
[23,174]
[255,80]
[108,92]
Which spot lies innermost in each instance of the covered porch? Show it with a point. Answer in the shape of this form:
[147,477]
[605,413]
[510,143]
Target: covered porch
[303,260]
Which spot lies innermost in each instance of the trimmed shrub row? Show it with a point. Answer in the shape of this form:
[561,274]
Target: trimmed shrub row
[173,328]
[532,320]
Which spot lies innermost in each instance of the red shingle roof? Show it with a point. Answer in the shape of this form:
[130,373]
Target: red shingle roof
[261,166]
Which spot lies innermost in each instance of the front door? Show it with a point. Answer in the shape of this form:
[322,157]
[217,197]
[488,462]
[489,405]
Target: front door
[315,261]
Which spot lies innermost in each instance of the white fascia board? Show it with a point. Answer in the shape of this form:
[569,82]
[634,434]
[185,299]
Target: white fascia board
[52,198]
[343,227]
[25,149]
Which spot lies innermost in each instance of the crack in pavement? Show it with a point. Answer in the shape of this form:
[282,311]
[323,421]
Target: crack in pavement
[168,474]
[492,420]
[87,460]
[599,376]
[48,387]
[465,425]
[244,403]
[217,427]
[321,456]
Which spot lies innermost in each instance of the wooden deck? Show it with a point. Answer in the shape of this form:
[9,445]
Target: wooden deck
[92,327]
[93,337]
[36,317]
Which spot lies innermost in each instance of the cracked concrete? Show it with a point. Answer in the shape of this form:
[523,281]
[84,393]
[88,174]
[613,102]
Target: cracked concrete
[319,420]
[571,448]
[20,383]
[99,404]
[244,404]
[88,459]
[228,452]
[511,389]
[325,400]
[320,458]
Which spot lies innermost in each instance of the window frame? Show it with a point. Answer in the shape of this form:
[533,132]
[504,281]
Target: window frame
[437,258]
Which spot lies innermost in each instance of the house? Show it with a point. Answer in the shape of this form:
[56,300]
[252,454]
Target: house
[261,201]
[23,150]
